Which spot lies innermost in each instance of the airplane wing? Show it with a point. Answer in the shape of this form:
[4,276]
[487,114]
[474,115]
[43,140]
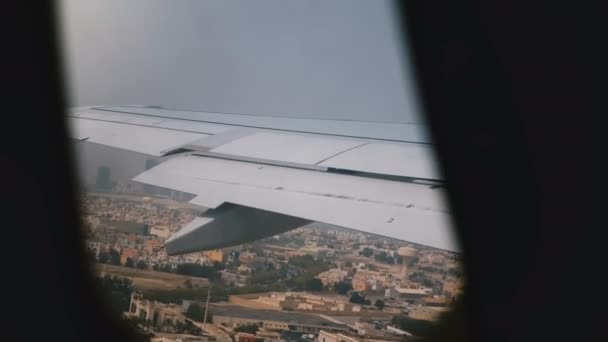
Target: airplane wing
[261,175]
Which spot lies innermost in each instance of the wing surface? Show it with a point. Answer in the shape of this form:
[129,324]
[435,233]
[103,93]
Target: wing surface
[281,173]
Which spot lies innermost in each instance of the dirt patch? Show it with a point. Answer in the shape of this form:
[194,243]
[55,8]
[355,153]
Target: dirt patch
[150,279]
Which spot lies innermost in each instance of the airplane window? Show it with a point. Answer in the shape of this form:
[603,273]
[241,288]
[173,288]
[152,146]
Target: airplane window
[257,171]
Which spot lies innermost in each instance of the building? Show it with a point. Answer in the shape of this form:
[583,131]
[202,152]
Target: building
[244,269]
[359,284]
[234,278]
[160,231]
[331,277]
[232,316]
[452,288]
[269,336]
[325,336]
[215,255]
[411,295]
[152,245]
[246,257]
[168,337]
[302,301]
[128,253]
[244,337]
[155,312]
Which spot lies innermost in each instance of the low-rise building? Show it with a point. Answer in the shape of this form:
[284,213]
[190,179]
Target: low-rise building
[360,284]
[246,257]
[155,312]
[215,255]
[234,278]
[325,336]
[411,295]
[128,253]
[331,277]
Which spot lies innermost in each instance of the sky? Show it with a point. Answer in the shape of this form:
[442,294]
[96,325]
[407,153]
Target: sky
[339,59]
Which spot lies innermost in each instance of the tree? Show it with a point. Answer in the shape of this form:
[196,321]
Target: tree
[367,252]
[130,263]
[264,277]
[302,269]
[196,270]
[382,256]
[249,329]
[356,298]
[114,257]
[367,302]
[196,312]
[117,291]
[343,287]
[428,282]
[379,304]
[314,284]
[141,265]
[348,264]
[103,257]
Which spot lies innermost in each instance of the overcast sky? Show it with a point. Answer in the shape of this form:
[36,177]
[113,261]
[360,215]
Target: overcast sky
[314,58]
[337,59]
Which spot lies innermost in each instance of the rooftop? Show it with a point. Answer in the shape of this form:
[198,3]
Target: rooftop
[403,290]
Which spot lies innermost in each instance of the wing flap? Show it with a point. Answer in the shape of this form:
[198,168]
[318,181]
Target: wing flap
[229,225]
[407,160]
[128,136]
[406,211]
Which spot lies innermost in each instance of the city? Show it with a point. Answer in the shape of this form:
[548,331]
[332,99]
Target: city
[315,283]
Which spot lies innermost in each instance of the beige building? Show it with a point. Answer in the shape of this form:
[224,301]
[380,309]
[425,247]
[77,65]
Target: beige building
[331,277]
[155,312]
[325,336]
[411,295]
[360,284]
[215,255]
[302,301]
[246,257]
[128,253]
[452,288]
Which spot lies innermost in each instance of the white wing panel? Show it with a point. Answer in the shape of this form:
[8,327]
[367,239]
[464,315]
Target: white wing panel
[405,211]
[287,148]
[347,128]
[147,140]
[194,126]
[408,160]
